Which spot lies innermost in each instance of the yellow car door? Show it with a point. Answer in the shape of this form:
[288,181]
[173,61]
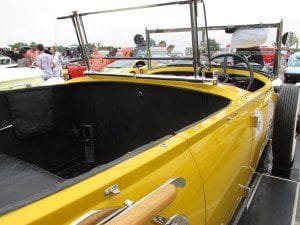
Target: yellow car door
[262,108]
[221,147]
[132,179]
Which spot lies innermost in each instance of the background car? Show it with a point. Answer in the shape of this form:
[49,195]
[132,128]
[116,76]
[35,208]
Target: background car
[127,66]
[292,72]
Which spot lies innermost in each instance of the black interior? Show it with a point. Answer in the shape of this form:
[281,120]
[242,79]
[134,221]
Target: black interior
[65,131]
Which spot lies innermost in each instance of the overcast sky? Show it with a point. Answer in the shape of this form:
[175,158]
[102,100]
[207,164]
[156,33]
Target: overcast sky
[35,20]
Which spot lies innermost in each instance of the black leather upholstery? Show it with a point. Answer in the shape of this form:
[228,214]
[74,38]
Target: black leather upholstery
[20,180]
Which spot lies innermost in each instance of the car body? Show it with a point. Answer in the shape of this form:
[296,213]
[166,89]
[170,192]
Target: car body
[268,54]
[198,149]
[75,70]
[6,62]
[127,66]
[292,72]
[112,148]
[16,78]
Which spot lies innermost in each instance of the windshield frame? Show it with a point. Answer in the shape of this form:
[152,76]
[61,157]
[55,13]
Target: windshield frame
[205,29]
[77,20]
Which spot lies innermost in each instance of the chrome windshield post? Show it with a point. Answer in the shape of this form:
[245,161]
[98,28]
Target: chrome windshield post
[194,32]
[81,37]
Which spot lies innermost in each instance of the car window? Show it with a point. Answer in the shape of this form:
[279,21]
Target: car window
[4,61]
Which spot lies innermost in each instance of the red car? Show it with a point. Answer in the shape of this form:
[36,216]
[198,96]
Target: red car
[268,54]
[76,70]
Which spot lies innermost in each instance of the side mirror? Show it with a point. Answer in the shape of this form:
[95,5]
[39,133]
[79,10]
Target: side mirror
[139,40]
[289,39]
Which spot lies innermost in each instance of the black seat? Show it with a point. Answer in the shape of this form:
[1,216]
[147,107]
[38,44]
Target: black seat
[20,180]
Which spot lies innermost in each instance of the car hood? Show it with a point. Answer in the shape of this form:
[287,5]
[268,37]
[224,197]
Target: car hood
[292,70]
[20,73]
[116,70]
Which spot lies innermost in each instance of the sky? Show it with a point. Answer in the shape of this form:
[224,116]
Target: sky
[35,20]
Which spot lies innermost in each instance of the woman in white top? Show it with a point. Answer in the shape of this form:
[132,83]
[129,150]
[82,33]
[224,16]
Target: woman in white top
[58,60]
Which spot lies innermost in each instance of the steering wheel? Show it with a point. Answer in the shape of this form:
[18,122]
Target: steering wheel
[224,77]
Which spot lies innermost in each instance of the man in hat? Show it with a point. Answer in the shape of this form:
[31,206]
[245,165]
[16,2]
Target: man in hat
[33,52]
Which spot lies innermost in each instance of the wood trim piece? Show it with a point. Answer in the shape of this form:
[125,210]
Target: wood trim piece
[143,211]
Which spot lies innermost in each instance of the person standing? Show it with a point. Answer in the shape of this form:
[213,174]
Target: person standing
[45,62]
[58,60]
[24,59]
[96,59]
[33,52]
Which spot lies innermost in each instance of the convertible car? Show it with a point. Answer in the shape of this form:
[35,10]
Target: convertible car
[127,66]
[144,149]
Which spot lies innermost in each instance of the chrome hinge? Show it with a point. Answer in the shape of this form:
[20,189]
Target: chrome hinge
[244,191]
[255,121]
[112,190]
[177,219]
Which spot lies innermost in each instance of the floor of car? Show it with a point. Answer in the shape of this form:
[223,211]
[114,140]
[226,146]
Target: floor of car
[77,169]
[20,180]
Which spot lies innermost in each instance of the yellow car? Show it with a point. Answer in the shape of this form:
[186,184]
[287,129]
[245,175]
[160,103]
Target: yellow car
[160,148]
[127,66]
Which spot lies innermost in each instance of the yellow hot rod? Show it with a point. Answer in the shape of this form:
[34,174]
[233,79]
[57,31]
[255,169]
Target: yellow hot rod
[179,145]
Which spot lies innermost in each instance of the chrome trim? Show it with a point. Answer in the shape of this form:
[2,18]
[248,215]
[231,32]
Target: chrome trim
[6,127]
[128,8]
[177,182]
[112,190]
[154,76]
[178,219]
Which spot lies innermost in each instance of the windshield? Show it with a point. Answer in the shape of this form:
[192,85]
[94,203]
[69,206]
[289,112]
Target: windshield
[295,64]
[106,36]
[4,61]
[257,45]
[121,64]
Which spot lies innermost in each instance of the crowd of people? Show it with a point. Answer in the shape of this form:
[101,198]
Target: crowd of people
[50,62]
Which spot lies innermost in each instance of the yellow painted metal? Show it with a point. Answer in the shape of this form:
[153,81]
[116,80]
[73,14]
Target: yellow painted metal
[135,70]
[216,156]
[136,177]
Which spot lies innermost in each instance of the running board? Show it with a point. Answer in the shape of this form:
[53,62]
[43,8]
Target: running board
[273,201]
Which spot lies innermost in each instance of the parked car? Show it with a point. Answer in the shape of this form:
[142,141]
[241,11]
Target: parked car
[292,72]
[268,54]
[145,149]
[127,66]
[18,78]
[6,62]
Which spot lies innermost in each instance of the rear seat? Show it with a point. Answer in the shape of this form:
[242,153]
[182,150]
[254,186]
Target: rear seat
[20,180]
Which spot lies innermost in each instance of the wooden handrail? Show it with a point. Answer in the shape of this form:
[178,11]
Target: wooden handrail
[93,217]
[139,213]
[143,211]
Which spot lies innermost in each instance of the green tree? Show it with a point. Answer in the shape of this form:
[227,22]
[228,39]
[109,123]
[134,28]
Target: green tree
[214,45]
[18,45]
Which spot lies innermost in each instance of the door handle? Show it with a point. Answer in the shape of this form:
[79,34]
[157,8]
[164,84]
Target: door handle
[141,212]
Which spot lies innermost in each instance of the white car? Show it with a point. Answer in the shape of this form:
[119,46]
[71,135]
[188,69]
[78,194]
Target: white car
[6,62]
[22,77]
